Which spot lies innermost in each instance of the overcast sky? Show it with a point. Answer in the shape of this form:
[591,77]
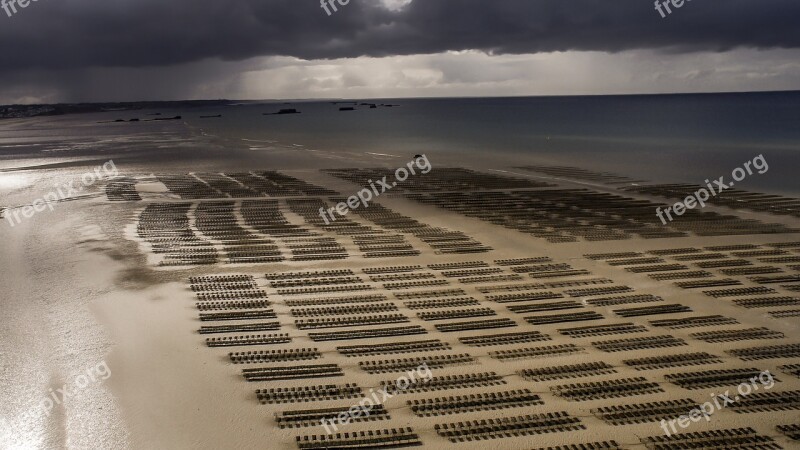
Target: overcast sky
[120,50]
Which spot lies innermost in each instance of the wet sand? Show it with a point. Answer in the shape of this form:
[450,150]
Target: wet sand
[82,285]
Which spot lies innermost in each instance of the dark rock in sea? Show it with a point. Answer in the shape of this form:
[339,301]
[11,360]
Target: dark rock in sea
[134,120]
[347,108]
[283,111]
[211,117]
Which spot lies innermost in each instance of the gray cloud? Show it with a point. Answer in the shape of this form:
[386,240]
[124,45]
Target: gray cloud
[73,34]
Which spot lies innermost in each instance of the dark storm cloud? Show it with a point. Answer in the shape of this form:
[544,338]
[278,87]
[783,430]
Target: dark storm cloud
[64,34]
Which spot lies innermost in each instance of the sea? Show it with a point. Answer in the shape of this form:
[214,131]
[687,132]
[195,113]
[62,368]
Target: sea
[664,138]
[684,138]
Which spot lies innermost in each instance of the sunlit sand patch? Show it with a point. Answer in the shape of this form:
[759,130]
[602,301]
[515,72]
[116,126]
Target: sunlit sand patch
[14,180]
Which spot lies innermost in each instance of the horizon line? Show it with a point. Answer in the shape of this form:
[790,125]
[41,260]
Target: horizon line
[348,99]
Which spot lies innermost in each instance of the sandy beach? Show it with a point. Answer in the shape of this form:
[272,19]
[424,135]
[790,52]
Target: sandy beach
[551,309]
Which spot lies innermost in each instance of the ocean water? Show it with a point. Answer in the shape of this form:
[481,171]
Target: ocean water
[662,138]
[685,138]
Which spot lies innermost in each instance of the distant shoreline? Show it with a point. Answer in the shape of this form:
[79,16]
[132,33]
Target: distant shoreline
[60,109]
